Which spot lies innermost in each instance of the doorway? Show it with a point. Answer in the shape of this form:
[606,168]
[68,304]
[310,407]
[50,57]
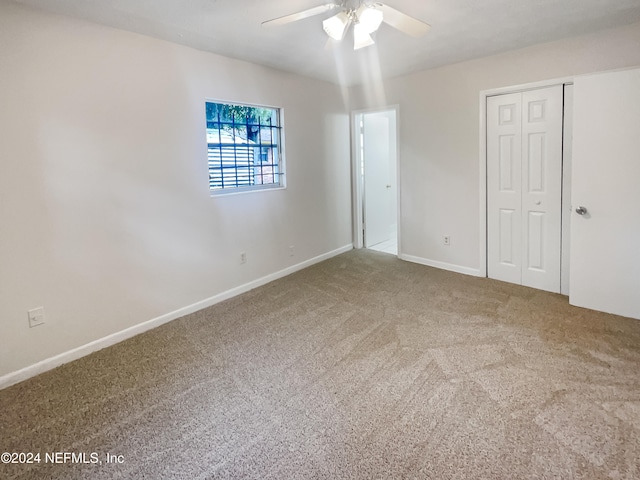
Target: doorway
[376,180]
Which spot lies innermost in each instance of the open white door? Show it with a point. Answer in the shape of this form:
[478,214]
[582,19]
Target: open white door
[379,186]
[605,239]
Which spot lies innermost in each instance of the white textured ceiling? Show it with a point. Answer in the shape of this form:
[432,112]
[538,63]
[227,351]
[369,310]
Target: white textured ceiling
[461,30]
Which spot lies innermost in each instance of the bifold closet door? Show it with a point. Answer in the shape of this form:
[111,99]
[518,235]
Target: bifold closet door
[524,187]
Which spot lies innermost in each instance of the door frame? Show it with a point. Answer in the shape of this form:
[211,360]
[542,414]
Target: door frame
[484,94]
[357,178]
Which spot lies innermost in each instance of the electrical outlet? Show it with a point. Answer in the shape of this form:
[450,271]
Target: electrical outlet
[291,251]
[36,317]
[447,240]
[243,257]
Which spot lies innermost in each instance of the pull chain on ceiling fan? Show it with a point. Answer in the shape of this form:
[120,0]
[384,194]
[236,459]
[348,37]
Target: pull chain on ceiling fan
[365,19]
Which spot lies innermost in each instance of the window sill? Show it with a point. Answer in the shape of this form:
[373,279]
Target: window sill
[242,191]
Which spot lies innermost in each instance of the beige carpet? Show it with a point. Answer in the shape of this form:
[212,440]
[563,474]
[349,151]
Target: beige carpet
[361,367]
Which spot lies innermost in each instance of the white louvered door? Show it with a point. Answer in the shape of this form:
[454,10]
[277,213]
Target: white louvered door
[524,187]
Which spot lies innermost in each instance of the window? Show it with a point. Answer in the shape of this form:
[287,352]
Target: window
[243,145]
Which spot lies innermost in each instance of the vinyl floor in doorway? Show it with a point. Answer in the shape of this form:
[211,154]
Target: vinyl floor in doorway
[363,366]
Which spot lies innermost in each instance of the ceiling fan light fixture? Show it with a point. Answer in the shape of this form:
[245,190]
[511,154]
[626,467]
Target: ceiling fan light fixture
[337,25]
[361,37]
[370,19]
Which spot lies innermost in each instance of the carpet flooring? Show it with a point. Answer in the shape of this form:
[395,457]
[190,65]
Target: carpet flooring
[360,367]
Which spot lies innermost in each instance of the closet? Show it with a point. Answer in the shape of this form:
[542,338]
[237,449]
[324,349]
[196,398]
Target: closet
[524,187]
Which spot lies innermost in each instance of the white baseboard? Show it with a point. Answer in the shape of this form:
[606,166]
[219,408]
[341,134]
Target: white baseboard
[76,353]
[441,265]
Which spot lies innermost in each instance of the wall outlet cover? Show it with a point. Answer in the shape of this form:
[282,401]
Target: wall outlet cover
[36,317]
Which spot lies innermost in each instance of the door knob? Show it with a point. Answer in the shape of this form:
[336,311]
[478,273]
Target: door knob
[388,186]
[581,210]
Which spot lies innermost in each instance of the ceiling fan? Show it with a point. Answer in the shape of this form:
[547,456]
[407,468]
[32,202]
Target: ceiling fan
[366,18]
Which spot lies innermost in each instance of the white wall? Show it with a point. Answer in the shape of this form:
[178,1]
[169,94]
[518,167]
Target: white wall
[439,134]
[105,214]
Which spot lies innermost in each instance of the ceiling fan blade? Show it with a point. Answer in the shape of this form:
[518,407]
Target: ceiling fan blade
[402,21]
[300,15]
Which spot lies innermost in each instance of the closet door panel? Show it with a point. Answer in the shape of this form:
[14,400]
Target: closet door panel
[542,188]
[504,185]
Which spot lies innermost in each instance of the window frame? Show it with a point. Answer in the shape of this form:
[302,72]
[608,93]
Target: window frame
[239,190]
